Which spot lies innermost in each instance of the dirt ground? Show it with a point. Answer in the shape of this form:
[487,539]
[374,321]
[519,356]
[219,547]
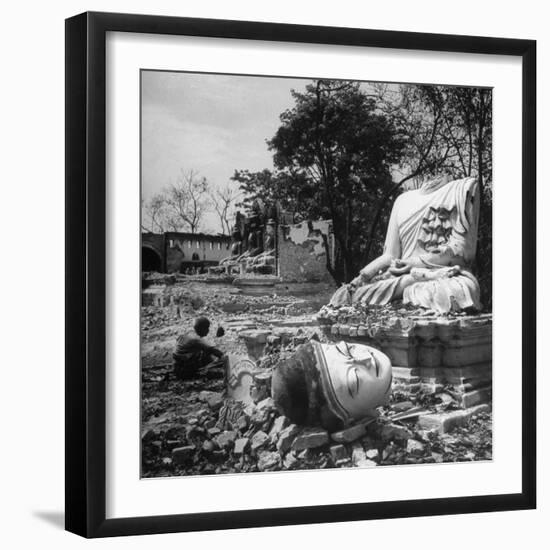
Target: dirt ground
[189,428]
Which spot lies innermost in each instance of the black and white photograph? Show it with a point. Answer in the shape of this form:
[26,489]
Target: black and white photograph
[316,262]
[274,275]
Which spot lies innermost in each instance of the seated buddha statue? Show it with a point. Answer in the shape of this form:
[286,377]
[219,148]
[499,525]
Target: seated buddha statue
[236,247]
[331,385]
[255,244]
[430,246]
[267,257]
[255,241]
[239,245]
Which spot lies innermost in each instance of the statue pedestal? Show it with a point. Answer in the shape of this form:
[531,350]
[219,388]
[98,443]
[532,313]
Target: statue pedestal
[428,353]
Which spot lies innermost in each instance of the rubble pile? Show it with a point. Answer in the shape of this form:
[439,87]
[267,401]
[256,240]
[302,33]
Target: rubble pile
[376,316]
[149,278]
[167,303]
[193,428]
[208,434]
[162,320]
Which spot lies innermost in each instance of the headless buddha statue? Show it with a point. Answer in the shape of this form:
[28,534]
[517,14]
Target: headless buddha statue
[267,257]
[430,245]
[236,251]
[255,243]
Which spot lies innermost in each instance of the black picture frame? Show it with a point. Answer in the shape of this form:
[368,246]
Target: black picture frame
[85,273]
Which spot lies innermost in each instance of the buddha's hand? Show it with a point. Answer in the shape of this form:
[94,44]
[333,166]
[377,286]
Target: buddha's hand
[400,267]
[357,282]
[454,271]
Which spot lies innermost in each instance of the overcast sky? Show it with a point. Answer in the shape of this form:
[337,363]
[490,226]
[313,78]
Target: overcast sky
[212,124]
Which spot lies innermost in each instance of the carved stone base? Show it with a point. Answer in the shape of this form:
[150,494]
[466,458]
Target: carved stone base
[429,354]
[445,422]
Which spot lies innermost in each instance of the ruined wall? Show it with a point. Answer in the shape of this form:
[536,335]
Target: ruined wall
[175,248]
[302,255]
[189,247]
[154,242]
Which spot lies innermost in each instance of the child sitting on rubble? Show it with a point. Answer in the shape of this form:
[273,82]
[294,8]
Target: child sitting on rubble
[193,356]
[331,385]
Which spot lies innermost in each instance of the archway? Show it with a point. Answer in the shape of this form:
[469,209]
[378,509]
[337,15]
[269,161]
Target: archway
[150,259]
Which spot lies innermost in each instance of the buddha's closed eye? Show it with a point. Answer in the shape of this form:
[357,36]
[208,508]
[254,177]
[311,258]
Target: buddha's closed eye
[353,382]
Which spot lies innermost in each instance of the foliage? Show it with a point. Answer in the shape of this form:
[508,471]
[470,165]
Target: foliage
[466,137]
[333,153]
[291,192]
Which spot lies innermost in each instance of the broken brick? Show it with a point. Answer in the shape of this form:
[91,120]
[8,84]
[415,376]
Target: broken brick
[393,431]
[310,439]
[415,447]
[180,455]
[215,401]
[290,461]
[352,433]
[339,454]
[208,446]
[268,460]
[226,439]
[259,439]
[241,446]
[372,454]
[286,437]
[278,425]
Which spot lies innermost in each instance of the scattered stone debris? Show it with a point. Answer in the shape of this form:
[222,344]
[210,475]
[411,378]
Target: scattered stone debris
[353,433]
[415,447]
[395,432]
[182,454]
[226,439]
[339,455]
[192,428]
[286,437]
[215,401]
[372,454]
[259,439]
[268,460]
[241,446]
[310,438]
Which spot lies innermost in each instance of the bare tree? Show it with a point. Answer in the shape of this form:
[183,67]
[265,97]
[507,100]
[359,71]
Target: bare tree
[187,201]
[155,213]
[224,200]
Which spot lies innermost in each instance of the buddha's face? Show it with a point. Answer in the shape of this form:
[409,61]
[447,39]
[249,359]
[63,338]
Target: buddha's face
[361,377]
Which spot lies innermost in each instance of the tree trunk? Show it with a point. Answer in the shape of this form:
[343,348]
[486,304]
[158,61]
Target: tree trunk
[481,234]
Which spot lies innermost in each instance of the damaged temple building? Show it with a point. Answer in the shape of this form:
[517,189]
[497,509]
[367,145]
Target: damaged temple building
[263,252]
[177,252]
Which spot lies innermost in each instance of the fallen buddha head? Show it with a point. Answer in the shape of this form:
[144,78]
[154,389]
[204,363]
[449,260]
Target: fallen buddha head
[331,385]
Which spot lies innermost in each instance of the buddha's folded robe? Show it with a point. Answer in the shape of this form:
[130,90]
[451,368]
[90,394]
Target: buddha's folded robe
[442,294]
